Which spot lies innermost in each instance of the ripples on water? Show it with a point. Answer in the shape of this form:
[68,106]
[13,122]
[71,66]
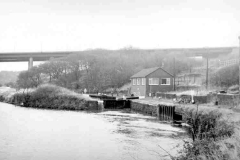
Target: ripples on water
[36,134]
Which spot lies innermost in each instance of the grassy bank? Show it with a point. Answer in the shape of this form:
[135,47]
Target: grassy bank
[53,97]
[215,133]
[6,93]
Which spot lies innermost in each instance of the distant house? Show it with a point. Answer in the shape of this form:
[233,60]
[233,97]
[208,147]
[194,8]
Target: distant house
[187,79]
[151,80]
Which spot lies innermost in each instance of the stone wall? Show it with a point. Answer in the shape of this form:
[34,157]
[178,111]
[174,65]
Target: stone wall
[144,108]
[214,98]
[185,98]
[163,111]
[223,99]
[200,99]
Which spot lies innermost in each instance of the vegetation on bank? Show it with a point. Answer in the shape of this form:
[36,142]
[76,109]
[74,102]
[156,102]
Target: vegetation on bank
[52,97]
[212,137]
[6,93]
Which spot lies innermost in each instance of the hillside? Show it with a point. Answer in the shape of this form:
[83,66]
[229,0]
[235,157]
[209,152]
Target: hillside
[100,69]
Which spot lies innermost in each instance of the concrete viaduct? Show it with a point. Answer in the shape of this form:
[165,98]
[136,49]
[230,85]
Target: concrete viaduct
[31,56]
[43,56]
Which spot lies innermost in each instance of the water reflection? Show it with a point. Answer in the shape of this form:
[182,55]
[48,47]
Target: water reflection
[46,134]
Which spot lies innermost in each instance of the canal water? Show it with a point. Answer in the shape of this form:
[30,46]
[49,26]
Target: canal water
[36,134]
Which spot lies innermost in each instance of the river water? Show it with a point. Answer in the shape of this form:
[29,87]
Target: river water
[36,134]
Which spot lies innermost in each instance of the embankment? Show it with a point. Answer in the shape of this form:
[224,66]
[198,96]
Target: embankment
[214,132]
[6,93]
[53,97]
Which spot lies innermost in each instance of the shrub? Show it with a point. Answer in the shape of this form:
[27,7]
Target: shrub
[206,131]
[52,97]
[2,98]
[226,76]
[206,125]
[6,95]
[201,150]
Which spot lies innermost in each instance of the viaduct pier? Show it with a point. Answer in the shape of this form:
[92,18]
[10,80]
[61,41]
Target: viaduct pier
[31,56]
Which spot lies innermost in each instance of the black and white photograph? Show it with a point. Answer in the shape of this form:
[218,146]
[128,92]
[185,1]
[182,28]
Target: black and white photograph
[119,80]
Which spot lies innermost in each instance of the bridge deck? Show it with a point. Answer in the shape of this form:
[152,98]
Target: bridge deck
[37,56]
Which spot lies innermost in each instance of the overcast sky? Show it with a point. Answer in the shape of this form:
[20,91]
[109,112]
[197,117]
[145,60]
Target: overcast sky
[57,25]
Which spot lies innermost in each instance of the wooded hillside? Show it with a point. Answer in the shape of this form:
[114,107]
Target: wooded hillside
[100,69]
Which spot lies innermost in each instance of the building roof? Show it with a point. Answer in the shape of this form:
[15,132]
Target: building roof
[145,72]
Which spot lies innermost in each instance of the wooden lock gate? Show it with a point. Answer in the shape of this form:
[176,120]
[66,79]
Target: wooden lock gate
[168,113]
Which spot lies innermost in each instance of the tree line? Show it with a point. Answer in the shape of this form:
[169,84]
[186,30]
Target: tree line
[97,70]
[226,76]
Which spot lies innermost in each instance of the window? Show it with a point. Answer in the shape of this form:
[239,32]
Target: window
[138,81]
[153,81]
[143,81]
[165,81]
[134,81]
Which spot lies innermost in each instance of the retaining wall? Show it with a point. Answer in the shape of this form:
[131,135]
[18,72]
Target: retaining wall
[144,108]
[187,98]
[165,112]
[166,95]
[200,99]
[214,98]
[223,99]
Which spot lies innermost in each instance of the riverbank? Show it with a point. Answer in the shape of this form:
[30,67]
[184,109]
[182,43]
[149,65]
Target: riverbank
[6,93]
[225,124]
[49,97]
